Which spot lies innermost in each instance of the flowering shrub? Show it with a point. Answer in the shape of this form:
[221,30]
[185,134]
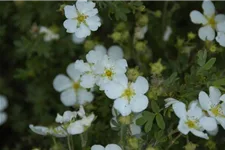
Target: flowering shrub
[105,75]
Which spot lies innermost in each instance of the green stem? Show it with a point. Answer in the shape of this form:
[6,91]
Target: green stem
[177,137]
[68,142]
[83,140]
[122,136]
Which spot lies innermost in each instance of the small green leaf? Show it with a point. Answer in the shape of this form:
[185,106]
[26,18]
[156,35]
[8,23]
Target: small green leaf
[147,113]
[154,106]
[160,122]
[148,125]
[141,121]
[219,82]
[202,55]
[209,64]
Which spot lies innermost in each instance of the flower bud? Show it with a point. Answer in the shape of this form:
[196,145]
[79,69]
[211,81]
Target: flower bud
[125,120]
[191,36]
[141,46]
[133,143]
[116,36]
[133,73]
[158,13]
[157,68]
[190,146]
[143,20]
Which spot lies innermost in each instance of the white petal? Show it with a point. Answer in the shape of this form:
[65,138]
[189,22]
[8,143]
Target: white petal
[199,134]
[93,23]
[81,112]
[97,147]
[197,17]
[75,128]
[220,18]
[112,147]
[69,115]
[77,40]
[139,103]
[121,79]
[121,66]
[3,102]
[92,12]
[170,101]
[179,109]
[140,85]
[167,33]
[94,56]
[214,95]
[221,38]
[70,25]
[73,73]
[39,129]
[195,111]
[88,81]
[86,121]
[3,117]
[84,96]
[68,97]
[101,49]
[209,124]
[221,121]
[221,26]
[206,33]
[204,100]
[82,31]
[182,127]
[113,90]
[135,129]
[59,118]
[70,11]
[122,106]
[61,83]
[222,98]
[115,52]
[58,132]
[84,7]
[82,66]
[208,8]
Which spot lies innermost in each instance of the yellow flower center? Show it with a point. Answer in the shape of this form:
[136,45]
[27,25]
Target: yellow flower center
[81,18]
[76,85]
[191,124]
[217,111]
[128,93]
[108,73]
[212,22]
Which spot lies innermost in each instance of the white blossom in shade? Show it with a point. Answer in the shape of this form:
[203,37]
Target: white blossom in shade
[72,91]
[167,33]
[208,19]
[77,40]
[129,96]
[53,131]
[140,32]
[80,126]
[3,106]
[66,117]
[170,101]
[220,38]
[194,120]
[49,35]
[108,147]
[213,104]
[82,18]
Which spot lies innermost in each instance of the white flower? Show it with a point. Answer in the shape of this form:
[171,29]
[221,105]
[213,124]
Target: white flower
[81,18]
[48,34]
[194,120]
[214,104]
[208,19]
[3,105]
[108,147]
[54,131]
[67,117]
[72,91]
[140,32]
[221,33]
[80,126]
[170,101]
[129,96]
[77,40]
[167,33]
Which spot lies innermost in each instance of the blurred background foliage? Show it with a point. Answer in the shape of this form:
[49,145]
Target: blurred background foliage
[179,68]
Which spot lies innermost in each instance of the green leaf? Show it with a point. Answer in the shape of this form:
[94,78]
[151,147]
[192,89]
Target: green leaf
[154,106]
[202,55]
[160,122]
[147,113]
[209,64]
[219,82]
[148,125]
[141,121]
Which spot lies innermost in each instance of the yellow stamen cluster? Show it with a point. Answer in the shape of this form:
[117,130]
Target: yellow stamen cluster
[191,124]
[212,22]
[81,18]
[76,85]
[128,93]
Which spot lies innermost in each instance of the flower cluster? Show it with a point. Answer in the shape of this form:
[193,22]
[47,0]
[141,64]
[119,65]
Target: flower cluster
[81,18]
[3,105]
[71,123]
[202,115]
[107,69]
[211,22]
